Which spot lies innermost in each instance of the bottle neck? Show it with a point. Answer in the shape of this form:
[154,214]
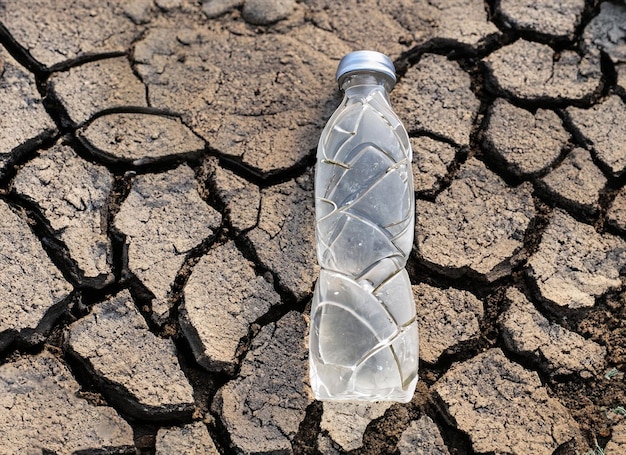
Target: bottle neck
[361,83]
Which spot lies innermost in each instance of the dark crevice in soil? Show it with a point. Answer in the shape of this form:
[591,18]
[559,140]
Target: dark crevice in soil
[458,442]
[84,152]
[605,323]
[222,444]
[609,73]
[382,434]
[132,110]
[92,390]
[66,65]
[88,297]
[422,272]
[133,167]
[122,399]
[557,42]
[452,49]
[141,165]
[17,349]
[460,156]
[271,178]
[248,251]
[488,337]
[433,135]
[47,335]
[476,70]
[169,325]
[144,435]
[463,278]
[56,317]
[607,197]
[176,293]
[620,91]
[56,249]
[528,363]
[24,153]
[429,373]
[210,193]
[588,403]
[19,52]
[489,329]
[535,229]
[532,104]
[228,233]
[574,210]
[565,150]
[460,352]
[218,429]
[133,62]
[305,441]
[119,248]
[11,351]
[591,10]
[581,141]
[495,165]
[205,383]
[289,302]
[567,448]
[53,106]
[143,298]
[550,310]
[273,315]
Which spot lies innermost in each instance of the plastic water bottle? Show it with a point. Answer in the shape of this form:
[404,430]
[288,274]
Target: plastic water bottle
[363,340]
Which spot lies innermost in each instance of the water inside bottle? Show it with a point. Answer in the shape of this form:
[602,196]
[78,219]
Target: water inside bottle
[363,329]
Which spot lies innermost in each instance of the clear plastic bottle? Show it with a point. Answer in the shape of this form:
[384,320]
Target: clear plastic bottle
[363,340]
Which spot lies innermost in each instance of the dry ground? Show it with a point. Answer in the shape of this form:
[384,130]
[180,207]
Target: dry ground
[157,238]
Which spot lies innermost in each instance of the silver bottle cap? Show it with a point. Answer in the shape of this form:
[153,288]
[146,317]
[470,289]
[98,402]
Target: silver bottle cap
[366,61]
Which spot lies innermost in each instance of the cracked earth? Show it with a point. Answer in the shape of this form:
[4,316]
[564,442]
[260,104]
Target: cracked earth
[157,225]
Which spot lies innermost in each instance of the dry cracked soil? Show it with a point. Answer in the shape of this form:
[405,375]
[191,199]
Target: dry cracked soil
[157,238]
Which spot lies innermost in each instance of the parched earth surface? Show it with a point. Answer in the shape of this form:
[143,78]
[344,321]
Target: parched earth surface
[157,237]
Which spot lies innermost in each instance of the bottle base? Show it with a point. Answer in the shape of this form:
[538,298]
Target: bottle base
[363,343]
[400,396]
[337,384]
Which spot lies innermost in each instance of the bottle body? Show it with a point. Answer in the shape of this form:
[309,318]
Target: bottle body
[363,341]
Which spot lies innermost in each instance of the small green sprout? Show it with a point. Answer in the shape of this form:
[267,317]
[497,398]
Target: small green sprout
[611,373]
[619,410]
[597,451]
